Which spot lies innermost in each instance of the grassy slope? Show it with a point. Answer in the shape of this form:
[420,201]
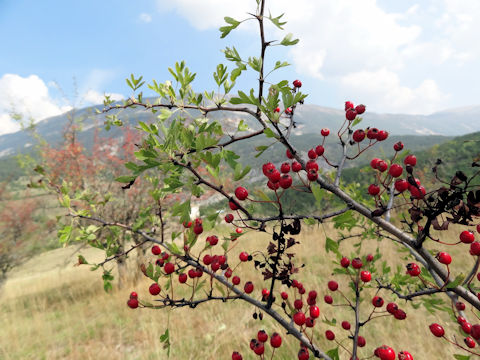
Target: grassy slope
[52,310]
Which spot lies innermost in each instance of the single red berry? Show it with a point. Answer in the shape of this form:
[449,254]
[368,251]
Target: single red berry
[296,166]
[467,237]
[268,168]
[299,318]
[207,259]
[312,154]
[319,150]
[373,189]
[285,168]
[241,193]
[277,110]
[395,170]
[156,250]
[215,266]
[325,132]
[310,322]
[328,299]
[298,304]
[461,320]
[288,111]
[382,166]
[360,109]
[303,354]
[169,268]
[351,114]
[285,181]
[413,269]
[361,341]
[401,185]
[297,83]
[236,356]
[466,327]
[187,224]
[276,340]
[346,325]
[192,273]
[385,353]
[400,314]
[332,285]
[312,175]
[213,240]
[311,165]
[284,295]
[475,332]
[345,262]
[301,290]
[314,311]
[382,135]
[357,263]
[348,105]
[198,229]
[232,205]
[238,230]
[295,283]
[262,336]
[132,303]
[235,280]
[392,307]
[289,154]
[154,289]
[243,256]
[330,335]
[437,330]
[404,355]
[133,295]
[460,306]
[228,273]
[365,276]
[417,193]
[182,278]
[311,301]
[469,342]
[374,163]
[377,301]
[248,288]
[410,160]
[275,176]
[259,348]
[372,133]
[228,218]
[265,293]
[444,258]
[475,248]
[369,257]
[358,135]
[273,186]
[398,146]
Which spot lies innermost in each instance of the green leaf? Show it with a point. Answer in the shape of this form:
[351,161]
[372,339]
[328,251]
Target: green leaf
[242,126]
[126,178]
[357,120]
[240,173]
[310,221]
[458,280]
[280,64]
[317,193]
[287,40]
[173,248]
[462,357]
[276,21]
[331,245]
[333,353]
[261,149]
[225,30]
[269,133]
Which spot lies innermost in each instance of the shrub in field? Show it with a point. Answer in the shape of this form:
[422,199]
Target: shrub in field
[181,154]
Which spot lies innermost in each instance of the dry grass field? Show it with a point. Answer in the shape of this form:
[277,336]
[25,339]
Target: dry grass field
[54,310]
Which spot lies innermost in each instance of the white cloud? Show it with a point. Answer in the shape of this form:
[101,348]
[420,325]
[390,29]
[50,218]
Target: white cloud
[383,91]
[27,96]
[144,17]
[94,97]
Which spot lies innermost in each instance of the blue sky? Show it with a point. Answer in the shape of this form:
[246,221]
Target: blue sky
[395,56]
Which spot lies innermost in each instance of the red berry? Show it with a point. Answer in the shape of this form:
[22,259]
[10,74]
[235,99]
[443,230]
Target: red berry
[238,230]
[312,154]
[374,163]
[369,257]
[310,322]
[207,259]
[236,356]
[330,335]
[275,176]
[346,325]
[228,218]
[328,299]
[475,248]
[365,276]
[360,109]
[213,240]
[132,303]
[404,355]
[478,228]
[475,332]
[357,263]
[276,340]
[296,166]
[372,133]
[361,341]
[285,168]
[133,295]
[417,193]
[273,186]
[262,336]
[398,146]
[241,193]
[332,285]
[243,256]
[289,154]
[235,280]
[466,327]
[303,354]
[198,229]
[460,306]
[285,181]
[259,348]
[265,293]
[154,289]
[401,185]
[311,164]
[228,273]
[312,175]
[297,83]
[382,135]
[461,320]
[187,224]
[284,295]
[437,330]
[298,304]
[382,166]
[358,135]
[232,205]
[410,160]
[385,353]
[248,288]
[467,237]
[182,278]
[392,308]
[314,311]
[395,170]
[469,342]
[348,105]
[345,262]
[156,250]
[373,189]
[319,150]
[400,314]
[413,269]
[325,132]
[351,114]
[288,111]
[299,318]
[169,268]
[377,301]
[277,110]
[444,258]
[268,168]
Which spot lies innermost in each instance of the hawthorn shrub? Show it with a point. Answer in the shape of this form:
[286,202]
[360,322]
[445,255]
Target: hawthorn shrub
[185,155]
